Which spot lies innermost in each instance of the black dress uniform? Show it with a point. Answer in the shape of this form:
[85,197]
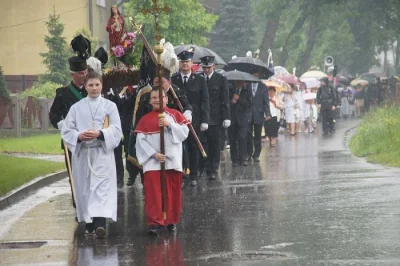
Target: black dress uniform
[239,123]
[65,98]
[218,91]
[196,91]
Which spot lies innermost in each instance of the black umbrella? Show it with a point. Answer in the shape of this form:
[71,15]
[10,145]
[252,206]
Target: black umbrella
[248,64]
[199,52]
[236,75]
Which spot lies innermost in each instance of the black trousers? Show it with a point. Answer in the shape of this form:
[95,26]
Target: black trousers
[327,117]
[194,156]
[213,148]
[133,170]
[271,127]
[202,161]
[119,164]
[254,141]
[237,141]
[69,175]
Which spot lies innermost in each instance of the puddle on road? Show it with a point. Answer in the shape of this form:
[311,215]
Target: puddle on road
[243,256]
[22,245]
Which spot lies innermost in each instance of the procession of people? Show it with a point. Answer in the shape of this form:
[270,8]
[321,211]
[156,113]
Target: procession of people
[201,101]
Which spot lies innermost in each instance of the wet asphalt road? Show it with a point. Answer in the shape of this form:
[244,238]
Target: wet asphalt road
[308,202]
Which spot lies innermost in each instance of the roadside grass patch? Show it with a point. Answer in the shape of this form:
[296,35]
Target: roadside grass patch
[378,136]
[43,144]
[17,171]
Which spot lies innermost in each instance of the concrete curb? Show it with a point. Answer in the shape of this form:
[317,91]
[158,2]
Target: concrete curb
[30,188]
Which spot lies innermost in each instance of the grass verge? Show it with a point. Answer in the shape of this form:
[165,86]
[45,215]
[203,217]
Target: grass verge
[378,136]
[44,144]
[18,171]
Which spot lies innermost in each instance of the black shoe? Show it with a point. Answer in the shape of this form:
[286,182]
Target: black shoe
[120,184]
[256,159]
[245,163]
[201,173]
[193,183]
[131,182]
[89,229]
[171,228]
[101,232]
[212,177]
[153,230]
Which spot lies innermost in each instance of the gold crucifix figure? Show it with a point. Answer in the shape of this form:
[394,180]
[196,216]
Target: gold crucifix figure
[156,11]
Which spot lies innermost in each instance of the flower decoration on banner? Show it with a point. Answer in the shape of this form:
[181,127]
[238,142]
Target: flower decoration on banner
[124,51]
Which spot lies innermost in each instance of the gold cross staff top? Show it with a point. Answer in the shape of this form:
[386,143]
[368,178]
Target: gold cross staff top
[156,11]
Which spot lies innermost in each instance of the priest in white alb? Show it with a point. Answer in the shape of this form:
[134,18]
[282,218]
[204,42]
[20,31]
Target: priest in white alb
[149,155]
[92,130]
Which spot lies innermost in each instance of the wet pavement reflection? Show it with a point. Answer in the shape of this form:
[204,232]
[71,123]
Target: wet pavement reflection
[309,201]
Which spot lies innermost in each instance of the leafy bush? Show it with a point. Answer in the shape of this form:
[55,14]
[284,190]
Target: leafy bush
[4,92]
[378,136]
[47,90]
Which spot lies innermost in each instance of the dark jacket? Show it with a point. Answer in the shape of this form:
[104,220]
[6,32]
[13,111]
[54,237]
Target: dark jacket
[242,107]
[62,103]
[259,105]
[327,95]
[145,106]
[197,94]
[219,99]
[125,107]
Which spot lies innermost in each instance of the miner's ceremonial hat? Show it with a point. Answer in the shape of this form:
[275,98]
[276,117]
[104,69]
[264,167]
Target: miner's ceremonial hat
[207,61]
[185,55]
[77,64]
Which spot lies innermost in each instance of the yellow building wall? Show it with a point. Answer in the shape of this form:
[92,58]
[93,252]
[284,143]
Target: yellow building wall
[22,31]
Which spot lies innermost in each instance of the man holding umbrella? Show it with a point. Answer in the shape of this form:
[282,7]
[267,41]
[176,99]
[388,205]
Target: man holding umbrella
[256,116]
[326,97]
[196,90]
[219,106]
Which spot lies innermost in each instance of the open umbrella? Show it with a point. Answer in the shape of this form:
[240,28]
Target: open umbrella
[358,82]
[311,82]
[270,83]
[280,70]
[199,52]
[314,74]
[289,78]
[286,87]
[248,64]
[236,75]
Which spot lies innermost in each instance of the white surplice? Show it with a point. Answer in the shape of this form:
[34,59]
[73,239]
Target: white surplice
[148,143]
[93,164]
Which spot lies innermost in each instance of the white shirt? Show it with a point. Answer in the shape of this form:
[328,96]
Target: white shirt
[254,87]
[209,76]
[187,75]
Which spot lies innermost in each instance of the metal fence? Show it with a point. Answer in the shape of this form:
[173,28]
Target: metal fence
[25,116]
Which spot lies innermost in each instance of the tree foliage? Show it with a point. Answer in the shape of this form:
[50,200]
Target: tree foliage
[56,58]
[4,92]
[301,33]
[188,21]
[234,31]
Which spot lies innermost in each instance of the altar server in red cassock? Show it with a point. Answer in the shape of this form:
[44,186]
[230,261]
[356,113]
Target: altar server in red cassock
[149,156]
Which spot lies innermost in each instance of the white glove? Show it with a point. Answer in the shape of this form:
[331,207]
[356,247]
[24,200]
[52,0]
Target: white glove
[188,115]
[226,123]
[110,92]
[203,126]
[60,124]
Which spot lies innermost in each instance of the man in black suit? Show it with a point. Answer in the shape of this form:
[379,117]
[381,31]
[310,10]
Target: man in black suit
[258,113]
[196,90]
[240,107]
[220,109]
[67,96]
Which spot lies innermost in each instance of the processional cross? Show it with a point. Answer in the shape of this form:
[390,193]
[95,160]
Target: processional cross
[159,48]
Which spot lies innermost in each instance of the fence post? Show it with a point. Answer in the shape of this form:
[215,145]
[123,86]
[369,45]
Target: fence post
[17,115]
[44,114]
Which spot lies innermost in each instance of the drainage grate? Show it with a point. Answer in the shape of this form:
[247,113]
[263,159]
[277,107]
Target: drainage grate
[21,245]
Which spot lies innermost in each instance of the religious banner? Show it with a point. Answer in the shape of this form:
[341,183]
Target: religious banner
[147,68]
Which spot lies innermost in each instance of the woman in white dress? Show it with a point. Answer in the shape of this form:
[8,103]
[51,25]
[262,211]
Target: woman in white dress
[291,107]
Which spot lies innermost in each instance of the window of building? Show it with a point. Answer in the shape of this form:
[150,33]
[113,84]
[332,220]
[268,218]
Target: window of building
[101,3]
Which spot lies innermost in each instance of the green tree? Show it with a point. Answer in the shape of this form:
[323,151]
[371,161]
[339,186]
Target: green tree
[188,21]
[56,58]
[4,92]
[234,31]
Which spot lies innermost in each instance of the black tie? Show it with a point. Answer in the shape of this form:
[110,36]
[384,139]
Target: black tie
[208,79]
[184,80]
